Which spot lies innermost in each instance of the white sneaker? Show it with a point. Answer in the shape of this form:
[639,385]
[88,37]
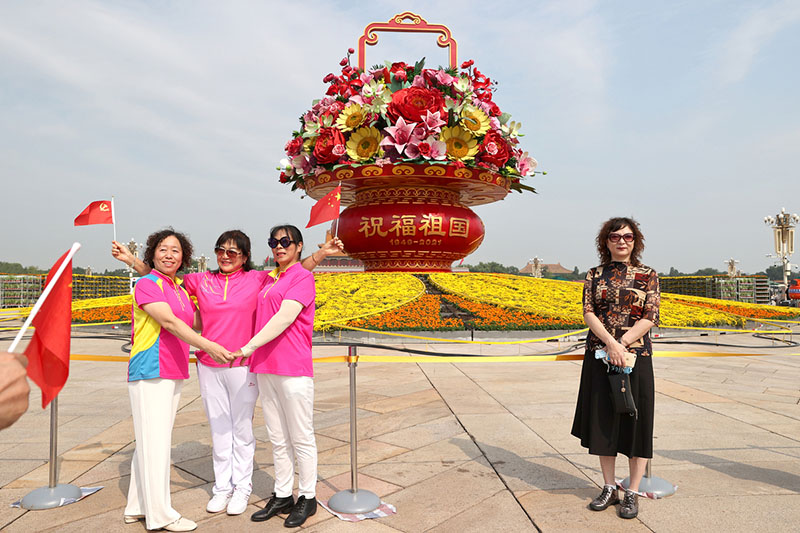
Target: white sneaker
[181,524]
[218,502]
[238,502]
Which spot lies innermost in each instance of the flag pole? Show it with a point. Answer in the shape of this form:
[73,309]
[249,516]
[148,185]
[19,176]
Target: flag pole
[336,230]
[54,495]
[75,247]
[113,217]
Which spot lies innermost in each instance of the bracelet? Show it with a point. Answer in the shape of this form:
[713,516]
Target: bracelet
[314,259]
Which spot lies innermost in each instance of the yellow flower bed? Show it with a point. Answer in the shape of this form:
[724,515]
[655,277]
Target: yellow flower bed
[343,297]
[347,296]
[563,299]
[547,297]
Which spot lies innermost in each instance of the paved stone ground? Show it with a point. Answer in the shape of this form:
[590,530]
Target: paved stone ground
[455,447]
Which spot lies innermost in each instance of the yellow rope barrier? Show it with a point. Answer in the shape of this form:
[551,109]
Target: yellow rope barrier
[439,340]
[457,359]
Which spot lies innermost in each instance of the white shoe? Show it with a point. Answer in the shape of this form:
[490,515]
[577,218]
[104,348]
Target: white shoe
[181,524]
[218,502]
[238,502]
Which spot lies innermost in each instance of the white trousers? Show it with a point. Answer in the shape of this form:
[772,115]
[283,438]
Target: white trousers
[154,403]
[288,404]
[229,396]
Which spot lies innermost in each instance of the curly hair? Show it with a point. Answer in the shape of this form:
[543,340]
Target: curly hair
[155,239]
[614,224]
[242,242]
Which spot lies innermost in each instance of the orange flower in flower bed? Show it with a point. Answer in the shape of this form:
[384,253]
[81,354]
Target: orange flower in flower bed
[492,317]
[114,313]
[420,315]
[744,309]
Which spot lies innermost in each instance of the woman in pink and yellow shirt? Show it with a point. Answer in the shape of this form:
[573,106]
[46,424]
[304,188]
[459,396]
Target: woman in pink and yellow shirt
[227,300]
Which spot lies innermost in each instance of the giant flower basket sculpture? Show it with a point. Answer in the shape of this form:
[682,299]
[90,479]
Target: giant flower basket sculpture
[413,148]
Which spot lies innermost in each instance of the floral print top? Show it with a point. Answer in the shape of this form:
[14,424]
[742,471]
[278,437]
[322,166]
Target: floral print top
[620,294]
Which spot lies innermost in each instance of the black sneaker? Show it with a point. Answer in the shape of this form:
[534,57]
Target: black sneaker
[607,497]
[274,506]
[301,511]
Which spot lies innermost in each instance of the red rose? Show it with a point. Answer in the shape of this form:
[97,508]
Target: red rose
[413,103]
[398,67]
[494,149]
[328,140]
[294,146]
[283,178]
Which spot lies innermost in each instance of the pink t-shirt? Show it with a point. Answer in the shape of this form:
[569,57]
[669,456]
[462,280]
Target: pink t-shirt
[288,354]
[227,307]
[155,352]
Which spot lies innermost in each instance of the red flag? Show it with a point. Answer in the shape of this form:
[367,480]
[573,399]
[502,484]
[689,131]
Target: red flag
[327,208]
[99,212]
[48,351]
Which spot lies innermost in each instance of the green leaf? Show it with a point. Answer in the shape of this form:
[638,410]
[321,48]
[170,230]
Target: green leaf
[505,117]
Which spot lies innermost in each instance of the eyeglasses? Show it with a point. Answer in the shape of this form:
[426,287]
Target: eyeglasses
[231,253]
[615,237]
[283,241]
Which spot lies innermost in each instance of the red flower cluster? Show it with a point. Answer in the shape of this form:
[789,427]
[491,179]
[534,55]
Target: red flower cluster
[413,104]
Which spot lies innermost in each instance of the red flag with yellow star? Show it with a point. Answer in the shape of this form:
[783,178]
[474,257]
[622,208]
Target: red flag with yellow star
[48,351]
[99,212]
[327,208]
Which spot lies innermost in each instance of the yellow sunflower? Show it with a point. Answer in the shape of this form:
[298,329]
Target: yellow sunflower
[474,120]
[363,143]
[461,145]
[350,118]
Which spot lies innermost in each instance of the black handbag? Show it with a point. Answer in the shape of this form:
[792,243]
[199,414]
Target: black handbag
[622,395]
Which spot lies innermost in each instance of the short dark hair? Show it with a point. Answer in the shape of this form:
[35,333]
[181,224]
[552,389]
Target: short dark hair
[292,231]
[242,242]
[614,224]
[155,239]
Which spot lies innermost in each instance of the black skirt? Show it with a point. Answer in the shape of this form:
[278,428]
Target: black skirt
[603,431]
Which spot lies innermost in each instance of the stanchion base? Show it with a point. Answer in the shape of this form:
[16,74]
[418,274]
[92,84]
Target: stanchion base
[655,485]
[50,497]
[360,501]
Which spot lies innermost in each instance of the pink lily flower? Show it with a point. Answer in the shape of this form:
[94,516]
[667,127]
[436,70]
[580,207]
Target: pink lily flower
[433,122]
[398,136]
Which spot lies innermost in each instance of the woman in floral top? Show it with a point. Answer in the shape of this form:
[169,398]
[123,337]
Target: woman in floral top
[620,305]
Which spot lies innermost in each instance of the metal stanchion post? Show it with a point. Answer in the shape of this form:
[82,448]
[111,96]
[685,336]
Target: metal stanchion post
[353,501]
[54,494]
[654,485]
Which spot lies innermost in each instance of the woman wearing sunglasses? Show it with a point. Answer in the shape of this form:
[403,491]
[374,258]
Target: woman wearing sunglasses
[227,300]
[620,305]
[280,356]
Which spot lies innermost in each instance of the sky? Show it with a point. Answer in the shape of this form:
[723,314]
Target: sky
[682,114]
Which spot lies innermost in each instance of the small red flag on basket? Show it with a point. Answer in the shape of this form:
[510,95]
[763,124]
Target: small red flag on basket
[327,208]
[99,212]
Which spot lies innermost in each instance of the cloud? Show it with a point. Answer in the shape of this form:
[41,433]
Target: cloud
[740,50]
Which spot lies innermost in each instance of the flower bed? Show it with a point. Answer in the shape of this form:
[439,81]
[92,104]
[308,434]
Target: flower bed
[744,309]
[420,315]
[492,317]
[346,296]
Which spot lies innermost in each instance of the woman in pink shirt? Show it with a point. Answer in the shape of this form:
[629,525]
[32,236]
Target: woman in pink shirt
[281,359]
[227,300]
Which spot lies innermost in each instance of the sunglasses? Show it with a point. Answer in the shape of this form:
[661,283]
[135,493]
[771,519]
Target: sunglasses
[283,241]
[615,237]
[230,253]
